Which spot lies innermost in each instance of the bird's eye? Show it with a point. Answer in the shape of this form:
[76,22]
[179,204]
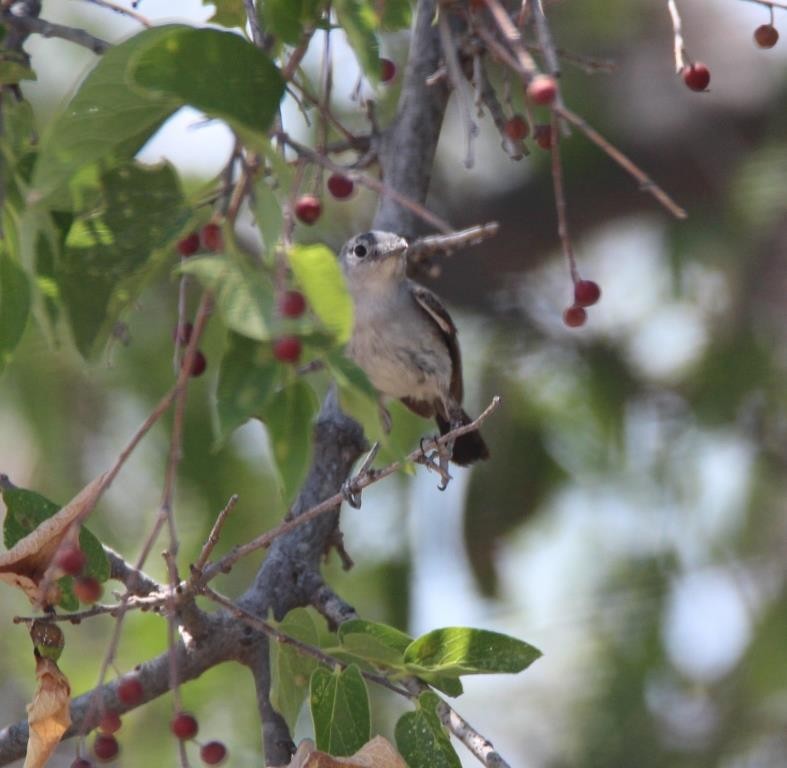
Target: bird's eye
[360,251]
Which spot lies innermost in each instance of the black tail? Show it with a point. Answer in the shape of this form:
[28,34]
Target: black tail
[469,447]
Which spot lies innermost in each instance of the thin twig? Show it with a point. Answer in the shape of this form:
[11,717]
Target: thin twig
[35,26]
[646,184]
[121,10]
[513,38]
[215,532]
[368,181]
[257,35]
[308,650]
[445,244]
[460,85]
[677,27]
[356,484]
[560,202]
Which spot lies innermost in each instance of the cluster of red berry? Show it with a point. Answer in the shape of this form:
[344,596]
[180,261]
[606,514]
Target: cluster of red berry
[586,294]
[184,726]
[308,207]
[541,91]
[71,560]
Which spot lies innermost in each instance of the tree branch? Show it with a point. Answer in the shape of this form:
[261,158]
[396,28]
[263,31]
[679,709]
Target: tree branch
[30,25]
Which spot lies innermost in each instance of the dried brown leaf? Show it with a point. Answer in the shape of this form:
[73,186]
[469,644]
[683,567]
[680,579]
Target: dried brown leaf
[377,753]
[48,714]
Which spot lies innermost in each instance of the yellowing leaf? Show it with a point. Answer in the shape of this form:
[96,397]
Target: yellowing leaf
[48,714]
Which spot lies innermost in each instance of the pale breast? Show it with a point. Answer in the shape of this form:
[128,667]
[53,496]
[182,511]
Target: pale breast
[401,350]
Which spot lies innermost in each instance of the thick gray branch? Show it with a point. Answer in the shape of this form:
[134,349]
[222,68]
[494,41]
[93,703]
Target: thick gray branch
[407,147]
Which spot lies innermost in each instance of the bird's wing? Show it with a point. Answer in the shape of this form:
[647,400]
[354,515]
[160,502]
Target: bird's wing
[438,314]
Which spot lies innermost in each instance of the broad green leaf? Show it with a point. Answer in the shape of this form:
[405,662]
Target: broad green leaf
[269,215]
[104,117]
[396,14]
[318,273]
[13,71]
[340,710]
[26,510]
[244,297]
[229,13]
[357,397]
[288,417]
[374,642]
[217,72]
[14,304]
[359,20]
[108,256]
[247,377]
[421,738]
[466,651]
[291,670]
[286,19]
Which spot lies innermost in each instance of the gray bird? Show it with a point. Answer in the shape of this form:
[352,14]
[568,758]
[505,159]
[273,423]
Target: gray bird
[404,339]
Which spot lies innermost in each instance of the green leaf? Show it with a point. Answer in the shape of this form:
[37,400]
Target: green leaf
[268,213]
[286,19]
[244,297]
[291,669]
[14,304]
[340,710]
[288,417]
[217,72]
[466,651]
[421,738]
[374,642]
[107,257]
[247,377]
[26,510]
[357,397]
[318,273]
[229,13]
[359,20]
[103,118]
[396,14]
[13,71]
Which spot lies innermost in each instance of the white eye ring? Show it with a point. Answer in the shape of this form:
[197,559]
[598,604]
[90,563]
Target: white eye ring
[360,251]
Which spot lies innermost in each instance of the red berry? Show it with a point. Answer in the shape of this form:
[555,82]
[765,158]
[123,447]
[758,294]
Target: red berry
[586,293]
[189,245]
[87,589]
[292,304]
[198,364]
[542,89]
[766,36]
[287,349]
[575,316]
[542,134]
[696,76]
[213,753]
[308,209]
[516,128]
[106,747]
[387,70]
[71,559]
[130,691]
[80,762]
[340,186]
[211,237]
[184,726]
[110,723]
[182,333]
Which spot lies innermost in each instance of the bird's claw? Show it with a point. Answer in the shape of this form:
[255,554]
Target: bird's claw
[352,497]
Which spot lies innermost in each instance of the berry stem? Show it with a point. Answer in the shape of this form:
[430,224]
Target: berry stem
[560,203]
[677,28]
